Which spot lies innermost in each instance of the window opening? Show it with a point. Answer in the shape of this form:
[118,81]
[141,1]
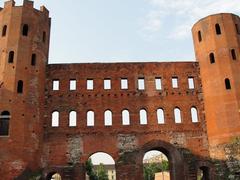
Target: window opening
[143,117]
[125,117]
[107,84]
[89,84]
[177,115]
[141,84]
[158,83]
[55,85]
[73,84]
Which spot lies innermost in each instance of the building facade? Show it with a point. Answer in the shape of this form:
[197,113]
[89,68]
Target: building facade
[53,117]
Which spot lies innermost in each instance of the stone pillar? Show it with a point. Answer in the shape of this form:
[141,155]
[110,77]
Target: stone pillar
[80,172]
[129,171]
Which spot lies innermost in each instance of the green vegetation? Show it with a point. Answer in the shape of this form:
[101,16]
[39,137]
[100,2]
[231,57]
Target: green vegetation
[151,168]
[100,174]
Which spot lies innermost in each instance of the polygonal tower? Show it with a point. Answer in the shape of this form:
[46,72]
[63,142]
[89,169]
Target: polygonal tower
[24,46]
[217,45]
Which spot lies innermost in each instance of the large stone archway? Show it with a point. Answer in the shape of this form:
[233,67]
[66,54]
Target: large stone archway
[130,166]
[174,157]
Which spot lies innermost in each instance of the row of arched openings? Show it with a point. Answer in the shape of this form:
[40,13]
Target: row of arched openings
[232,52]
[156,165]
[25,31]
[125,117]
[217,31]
[11,55]
[4,123]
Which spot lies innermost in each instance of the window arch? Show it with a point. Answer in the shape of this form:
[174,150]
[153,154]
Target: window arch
[73,119]
[212,58]
[34,59]
[4,123]
[218,29]
[194,114]
[177,115]
[4,30]
[233,53]
[25,30]
[55,119]
[199,36]
[160,116]
[108,118]
[125,117]
[11,57]
[90,118]
[20,87]
[143,116]
[227,83]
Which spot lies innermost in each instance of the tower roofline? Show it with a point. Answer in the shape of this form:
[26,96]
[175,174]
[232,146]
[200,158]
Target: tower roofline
[211,15]
[26,3]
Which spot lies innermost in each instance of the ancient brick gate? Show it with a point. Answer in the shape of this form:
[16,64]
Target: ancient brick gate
[66,148]
[53,117]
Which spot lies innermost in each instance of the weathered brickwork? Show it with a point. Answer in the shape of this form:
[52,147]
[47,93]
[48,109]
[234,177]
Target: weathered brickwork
[38,137]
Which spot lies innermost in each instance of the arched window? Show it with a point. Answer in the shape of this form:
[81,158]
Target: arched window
[4,30]
[194,114]
[212,58]
[55,119]
[233,53]
[20,86]
[177,115]
[90,118]
[227,83]
[25,30]
[199,36]
[33,61]
[11,57]
[218,29]
[73,119]
[108,118]
[4,123]
[160,116]
[143,116]
[44,37]
[125,117]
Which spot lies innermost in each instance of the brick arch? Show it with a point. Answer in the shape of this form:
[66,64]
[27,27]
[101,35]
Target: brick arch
[100,151]
[174,156]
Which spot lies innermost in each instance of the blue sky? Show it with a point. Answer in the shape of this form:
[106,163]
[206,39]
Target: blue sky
[126,30]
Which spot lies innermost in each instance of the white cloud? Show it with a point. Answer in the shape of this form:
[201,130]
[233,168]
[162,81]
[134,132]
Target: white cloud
[183,14]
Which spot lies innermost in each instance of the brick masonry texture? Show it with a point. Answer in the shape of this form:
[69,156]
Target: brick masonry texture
[33,147]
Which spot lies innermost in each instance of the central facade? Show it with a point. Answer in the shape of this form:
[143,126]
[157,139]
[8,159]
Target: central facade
[53,117]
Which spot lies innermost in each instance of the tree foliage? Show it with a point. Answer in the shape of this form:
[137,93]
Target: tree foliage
[151,169]
[100,174]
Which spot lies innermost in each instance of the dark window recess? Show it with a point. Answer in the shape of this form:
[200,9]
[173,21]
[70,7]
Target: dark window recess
[237,29]
[34,59]
[25,30]
[233,53]
[4,30]
[4,123]
[20,86]
[44,37]
[199,36]
[11,57]
[204,173]
[212,58]
[218,29]
[227,83]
